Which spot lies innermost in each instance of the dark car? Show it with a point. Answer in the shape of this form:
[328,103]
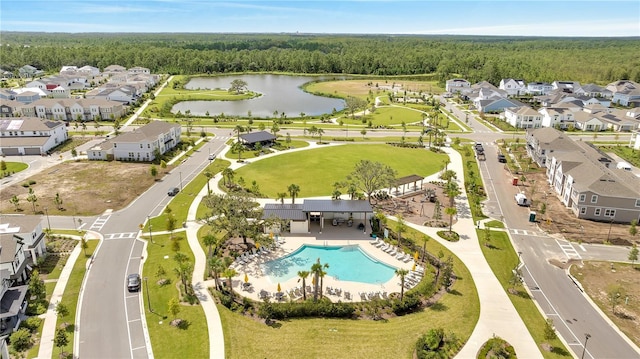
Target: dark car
[502,158]
[133,282]
[173,191]
[478,147]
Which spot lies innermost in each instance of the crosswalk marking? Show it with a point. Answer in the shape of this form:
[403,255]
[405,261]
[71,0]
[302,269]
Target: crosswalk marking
[100,222]
[524,232]
[125,235]
[569,250]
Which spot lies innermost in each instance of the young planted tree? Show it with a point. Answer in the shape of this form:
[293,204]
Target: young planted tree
[61,310]
[208,175]
[84,245]
[173,307]
[229,273]
[633,229]
[451,211]
[15,201]
[615,293]
[32,198]
[401,227]
[154,172]
[58,201]
[36,286]
[61,340]
[633,255]
[549,330]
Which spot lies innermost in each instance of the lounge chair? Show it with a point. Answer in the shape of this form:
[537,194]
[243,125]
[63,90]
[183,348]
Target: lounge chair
[407,258]
[328,290]
[400,255]
[380,244]
[384,295]
[347,295]
[374,242]
[393,252]
[389,249]
[297,292]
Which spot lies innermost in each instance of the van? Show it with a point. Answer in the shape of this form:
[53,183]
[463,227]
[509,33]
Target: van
[623,166]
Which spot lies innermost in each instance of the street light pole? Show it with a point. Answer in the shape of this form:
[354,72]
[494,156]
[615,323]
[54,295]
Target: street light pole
[584,348]
[146,284]
[180,181]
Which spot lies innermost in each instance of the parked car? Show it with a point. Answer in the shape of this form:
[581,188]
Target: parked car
[173,191]
[502,158]
[133,282]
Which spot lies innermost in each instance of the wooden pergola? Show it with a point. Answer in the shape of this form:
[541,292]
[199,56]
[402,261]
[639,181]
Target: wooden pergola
[404,181]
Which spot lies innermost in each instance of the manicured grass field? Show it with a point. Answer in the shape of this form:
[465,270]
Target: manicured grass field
[456,311]
[15,167]
[388,116]
[502,258]
[369,87]
[316,170]
[168,341]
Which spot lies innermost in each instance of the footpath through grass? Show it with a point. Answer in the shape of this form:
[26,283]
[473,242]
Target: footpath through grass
[502,259]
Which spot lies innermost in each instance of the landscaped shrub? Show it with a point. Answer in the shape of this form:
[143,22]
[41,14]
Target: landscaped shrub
[435,344]
[20,339]
[321,308]
[497,348]
[31,323]
[410,302]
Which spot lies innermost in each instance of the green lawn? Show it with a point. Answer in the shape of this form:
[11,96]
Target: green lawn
[168,341]
[457,311]
[182,201]
[502,258]
[316,170]
[71,293]
[388,116]
[15,167]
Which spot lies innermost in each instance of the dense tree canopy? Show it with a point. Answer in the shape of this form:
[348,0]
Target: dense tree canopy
[598,60]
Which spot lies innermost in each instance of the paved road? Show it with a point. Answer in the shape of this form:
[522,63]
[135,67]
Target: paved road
[110,324]
[557,295]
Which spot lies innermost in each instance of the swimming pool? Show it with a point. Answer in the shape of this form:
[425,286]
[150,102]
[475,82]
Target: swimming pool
[348,263]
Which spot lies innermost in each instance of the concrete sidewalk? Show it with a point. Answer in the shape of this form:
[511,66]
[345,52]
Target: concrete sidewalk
[50,317]
[498,316]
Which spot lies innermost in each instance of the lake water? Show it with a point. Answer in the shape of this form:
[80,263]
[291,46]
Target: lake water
[280,93]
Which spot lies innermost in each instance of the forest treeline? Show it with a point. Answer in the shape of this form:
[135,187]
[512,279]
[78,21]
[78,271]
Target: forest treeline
[588,60]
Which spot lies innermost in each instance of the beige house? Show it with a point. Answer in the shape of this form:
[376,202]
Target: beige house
[75,109]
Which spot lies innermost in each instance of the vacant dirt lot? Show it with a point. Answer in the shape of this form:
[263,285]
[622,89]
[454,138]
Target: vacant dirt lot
[85,187]
[597,277]
[563,221]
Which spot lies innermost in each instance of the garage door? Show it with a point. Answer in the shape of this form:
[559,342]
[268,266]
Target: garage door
[32,151]
[10,151]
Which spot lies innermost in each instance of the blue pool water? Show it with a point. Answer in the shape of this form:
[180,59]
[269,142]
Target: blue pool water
[348,263]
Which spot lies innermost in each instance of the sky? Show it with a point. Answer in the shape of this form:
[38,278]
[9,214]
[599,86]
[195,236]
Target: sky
[456,17]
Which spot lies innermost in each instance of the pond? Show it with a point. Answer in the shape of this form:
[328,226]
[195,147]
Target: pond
[280,93]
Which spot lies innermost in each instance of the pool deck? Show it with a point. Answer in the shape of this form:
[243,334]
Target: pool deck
[331,236]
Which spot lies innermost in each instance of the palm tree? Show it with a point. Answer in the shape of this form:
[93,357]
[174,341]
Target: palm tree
[304,274]
[294,190]
[280,197]
[229,273]
[208,175]
[227,175]
[452,192]
[238,130]
[322,273]
[216,265]
[209,240]
[401,273]
[451,211]
[320,132]
[238,147]
[315,269]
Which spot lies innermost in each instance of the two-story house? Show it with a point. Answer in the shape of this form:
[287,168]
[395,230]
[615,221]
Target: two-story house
[513,87]
[625,92]
[539,88]
[542,143]
[523,117]
[30,135]
[557,117]
[457,85]
[27,71]
[29,230]
[77,109]
[566,86]
[13,279]
[140,145]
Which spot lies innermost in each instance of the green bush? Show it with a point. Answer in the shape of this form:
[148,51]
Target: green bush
[31,323]
[409,303]
[497,348]
[322,308]
[20,339]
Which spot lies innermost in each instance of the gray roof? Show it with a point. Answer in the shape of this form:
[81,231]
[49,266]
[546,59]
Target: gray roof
[284,211]
[330,205]
[8,247]
[26,223]
[408,179]
[149,131]
[29,124]
[254,137]
[12,300]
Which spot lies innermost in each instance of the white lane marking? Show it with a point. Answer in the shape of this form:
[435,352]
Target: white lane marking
[583,248]
[569,250]
[125,235]
[100,222]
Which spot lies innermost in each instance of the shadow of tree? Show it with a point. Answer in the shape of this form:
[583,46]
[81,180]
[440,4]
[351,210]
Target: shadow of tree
[559,351]
[455,292]
[438,307]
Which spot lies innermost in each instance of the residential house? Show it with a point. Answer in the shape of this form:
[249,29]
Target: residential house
[542,143]
[13,288]
[635,140]
[89,71]
[114,69]
[28,71]
[587,121]
[29,230]
[496,105]
[625,92]
[7,94]
[539,88]
[457,85]
[557,117]
[141,145]
[513,87]
[139,70]
[124,94]
[566,86]
[592,189]
[30,135]
[594,90]
[5,75]
[523,117]
[77,109]
[10,108]
[27,95]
